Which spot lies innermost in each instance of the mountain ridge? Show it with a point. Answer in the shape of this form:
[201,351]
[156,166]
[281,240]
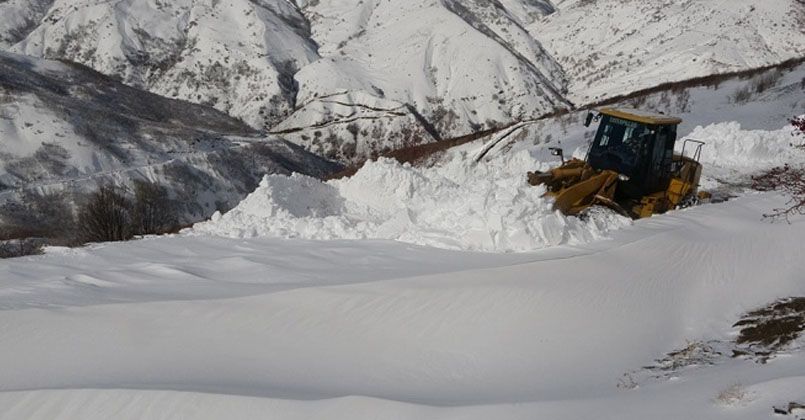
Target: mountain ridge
[349,80]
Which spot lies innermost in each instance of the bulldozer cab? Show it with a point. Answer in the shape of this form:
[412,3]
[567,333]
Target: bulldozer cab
[638,145]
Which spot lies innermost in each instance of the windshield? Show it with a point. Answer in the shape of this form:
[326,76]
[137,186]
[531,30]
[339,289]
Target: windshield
[618,142]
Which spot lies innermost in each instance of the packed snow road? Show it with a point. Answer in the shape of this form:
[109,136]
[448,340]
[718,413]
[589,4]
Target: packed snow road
[202,327]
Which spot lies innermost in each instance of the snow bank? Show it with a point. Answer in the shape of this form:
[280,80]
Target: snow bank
[731,155]
[458,205]
[461,205]
[728,146]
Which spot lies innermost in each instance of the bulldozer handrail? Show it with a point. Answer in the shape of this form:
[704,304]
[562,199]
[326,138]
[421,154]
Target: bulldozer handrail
[697,154]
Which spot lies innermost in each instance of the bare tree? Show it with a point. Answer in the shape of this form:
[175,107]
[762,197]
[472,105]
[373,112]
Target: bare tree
[153,212]
[37,215]
[787,179]
[106,216]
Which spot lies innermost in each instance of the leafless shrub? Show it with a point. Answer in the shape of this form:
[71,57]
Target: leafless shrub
[627,382]
[113,214]
[152,211]
[20,248]
[789,180]
[735,395]
[742,95]
[764,82]
[106,216]
[47,216]
[695,353]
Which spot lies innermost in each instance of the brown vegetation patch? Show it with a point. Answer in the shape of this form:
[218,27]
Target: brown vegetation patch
[711,80]
[419,153]
[774,326]
[762,334]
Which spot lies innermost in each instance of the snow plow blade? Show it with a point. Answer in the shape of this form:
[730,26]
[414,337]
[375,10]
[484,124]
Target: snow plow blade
[576,186]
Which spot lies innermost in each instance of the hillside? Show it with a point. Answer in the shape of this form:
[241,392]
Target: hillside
[239,56]
[279,66]
[612,47]
[459,66]
[66,128]
[349,79]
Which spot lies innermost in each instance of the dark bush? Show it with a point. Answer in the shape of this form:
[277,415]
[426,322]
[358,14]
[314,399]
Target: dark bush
[48,216]
[764,82]
[112,214]
[20,248]
[742,95]
[153,211]
[106,216]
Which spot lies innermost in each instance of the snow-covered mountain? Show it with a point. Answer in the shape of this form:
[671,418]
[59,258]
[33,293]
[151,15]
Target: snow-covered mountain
[65,127]
[457,65]
[19,17]
[239,56]
[347,79]
[370,76]
[611,47]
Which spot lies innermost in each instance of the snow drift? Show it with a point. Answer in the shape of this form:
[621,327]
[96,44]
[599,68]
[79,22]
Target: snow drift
[454,206]
[211,328]
[731,155]
[728,145]
[460,205]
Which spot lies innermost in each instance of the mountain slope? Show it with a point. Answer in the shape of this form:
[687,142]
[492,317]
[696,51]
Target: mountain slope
[348,79]
[238,56]
[613,47]
[393,74]
[19,17]
[65,128]
[462,66]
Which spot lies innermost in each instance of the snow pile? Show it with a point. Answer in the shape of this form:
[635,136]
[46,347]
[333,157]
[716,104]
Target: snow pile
[458,205]
[728,147]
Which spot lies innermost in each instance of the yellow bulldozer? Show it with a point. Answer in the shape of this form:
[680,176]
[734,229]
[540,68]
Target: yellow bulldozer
[630,167]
